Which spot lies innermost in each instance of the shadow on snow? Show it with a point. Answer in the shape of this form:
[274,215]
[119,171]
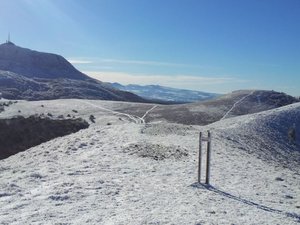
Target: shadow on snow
[245,201]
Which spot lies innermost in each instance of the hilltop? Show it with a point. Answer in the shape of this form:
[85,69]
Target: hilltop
[34,64]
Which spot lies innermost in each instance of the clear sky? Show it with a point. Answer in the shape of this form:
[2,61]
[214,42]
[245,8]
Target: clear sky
[207,45]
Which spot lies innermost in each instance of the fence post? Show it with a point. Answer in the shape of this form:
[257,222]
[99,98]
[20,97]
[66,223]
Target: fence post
[200,157]
[208,156]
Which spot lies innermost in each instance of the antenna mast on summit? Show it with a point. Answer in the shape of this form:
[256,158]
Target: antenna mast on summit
[8,39]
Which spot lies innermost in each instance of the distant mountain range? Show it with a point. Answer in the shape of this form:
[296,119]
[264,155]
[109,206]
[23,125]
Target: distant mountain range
[32,75]
[167,94]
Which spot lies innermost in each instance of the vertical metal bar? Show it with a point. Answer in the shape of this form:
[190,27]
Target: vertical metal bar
[208,157]
[200,157]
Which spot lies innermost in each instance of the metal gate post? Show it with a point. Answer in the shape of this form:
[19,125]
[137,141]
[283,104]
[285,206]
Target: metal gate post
[208,156]
[200,157]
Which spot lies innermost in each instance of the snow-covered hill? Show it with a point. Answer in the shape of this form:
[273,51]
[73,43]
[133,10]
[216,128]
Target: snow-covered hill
[122,171]
[237,103]
[265,134]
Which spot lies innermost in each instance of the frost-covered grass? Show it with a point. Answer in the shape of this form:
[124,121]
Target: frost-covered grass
[129,173]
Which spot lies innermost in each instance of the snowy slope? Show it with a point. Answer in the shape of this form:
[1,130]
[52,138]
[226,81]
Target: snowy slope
[265,134]
[133,173]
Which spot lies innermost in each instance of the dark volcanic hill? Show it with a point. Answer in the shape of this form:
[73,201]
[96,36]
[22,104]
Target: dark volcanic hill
[32,75]
[32,64]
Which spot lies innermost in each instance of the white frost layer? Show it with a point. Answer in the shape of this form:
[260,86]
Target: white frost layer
[106,175]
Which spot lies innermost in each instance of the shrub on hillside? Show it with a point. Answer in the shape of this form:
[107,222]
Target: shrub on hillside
[18,134]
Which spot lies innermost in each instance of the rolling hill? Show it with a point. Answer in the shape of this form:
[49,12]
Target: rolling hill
[202,113]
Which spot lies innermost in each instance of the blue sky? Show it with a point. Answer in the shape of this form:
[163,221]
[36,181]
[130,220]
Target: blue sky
[213,45]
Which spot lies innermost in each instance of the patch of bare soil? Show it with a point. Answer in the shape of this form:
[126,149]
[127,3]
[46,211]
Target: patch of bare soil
[155,151]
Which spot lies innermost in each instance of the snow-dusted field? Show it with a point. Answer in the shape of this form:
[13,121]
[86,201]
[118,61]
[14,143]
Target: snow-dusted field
[130,172]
